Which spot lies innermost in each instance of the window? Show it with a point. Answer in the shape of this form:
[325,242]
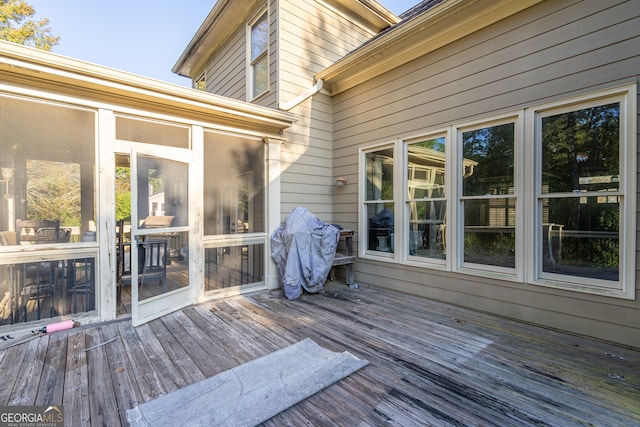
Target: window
[235,188]
[48,167]
[379,204]
[543,196]
[426,197]
[233,266]
[234,185]
[258,56]
[582,204]
[152,132]
[488,199]
[47,202]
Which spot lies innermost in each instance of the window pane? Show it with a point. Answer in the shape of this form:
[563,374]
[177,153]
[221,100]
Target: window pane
[48,168]
[425,174]
[427,229]
[489,232]
[380,218]
[259,37]
[580,150]
[234,184]
[260,76]
[380,175]
[162,192]
[150,132]
[580,237]
[233,266]
[46,289]
[488,156]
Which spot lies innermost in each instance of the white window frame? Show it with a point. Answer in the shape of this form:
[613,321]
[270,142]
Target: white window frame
[408,259]
[625,286]
[457,252]
[527,193]
[363,243]
[251,71]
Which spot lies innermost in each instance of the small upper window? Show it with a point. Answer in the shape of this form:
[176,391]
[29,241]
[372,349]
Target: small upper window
[259,57]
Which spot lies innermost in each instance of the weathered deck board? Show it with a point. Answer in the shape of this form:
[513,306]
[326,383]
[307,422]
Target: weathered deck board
[102,405]
[25,389]
[165,368]
[51,384]
[429,363]
[183,364]
[126,391]
[76,383]
[200,346]
[142,370]
[9,369]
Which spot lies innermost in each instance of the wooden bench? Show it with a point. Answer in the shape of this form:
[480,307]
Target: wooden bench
[343,258]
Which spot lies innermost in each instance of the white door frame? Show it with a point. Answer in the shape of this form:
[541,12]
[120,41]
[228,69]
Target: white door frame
[152,308]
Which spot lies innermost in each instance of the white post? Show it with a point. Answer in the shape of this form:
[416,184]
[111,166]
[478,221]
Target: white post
[106,223]
[273,207]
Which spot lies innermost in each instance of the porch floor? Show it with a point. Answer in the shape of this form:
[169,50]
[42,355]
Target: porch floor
[429,363]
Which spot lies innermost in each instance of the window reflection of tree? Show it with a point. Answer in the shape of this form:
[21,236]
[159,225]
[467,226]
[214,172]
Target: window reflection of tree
[52,158]
[580,161]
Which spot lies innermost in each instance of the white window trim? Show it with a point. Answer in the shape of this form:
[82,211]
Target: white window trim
[625,286]
[504,273]
[527,150]
[362,202]
[407,258]
[249,63]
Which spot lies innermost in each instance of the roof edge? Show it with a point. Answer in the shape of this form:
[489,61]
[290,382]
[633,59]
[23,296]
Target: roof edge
[227,15]
[212,32]
[23,61]
[373,13]
[446,22]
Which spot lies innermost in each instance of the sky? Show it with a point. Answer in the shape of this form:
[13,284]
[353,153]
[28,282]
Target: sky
[144,37]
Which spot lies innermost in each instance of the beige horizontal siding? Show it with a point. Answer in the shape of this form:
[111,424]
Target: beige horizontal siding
[551,51]
[477,82]
[226,69]
[311,36]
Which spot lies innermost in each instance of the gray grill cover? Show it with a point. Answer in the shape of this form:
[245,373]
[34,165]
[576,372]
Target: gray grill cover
[303,249]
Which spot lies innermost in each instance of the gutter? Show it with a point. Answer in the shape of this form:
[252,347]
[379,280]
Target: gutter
[440,26]
[287,106]
[18,61]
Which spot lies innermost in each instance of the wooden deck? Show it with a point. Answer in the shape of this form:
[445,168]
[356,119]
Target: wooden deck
[429,363]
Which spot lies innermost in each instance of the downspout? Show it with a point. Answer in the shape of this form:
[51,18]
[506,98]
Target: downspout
[287,106]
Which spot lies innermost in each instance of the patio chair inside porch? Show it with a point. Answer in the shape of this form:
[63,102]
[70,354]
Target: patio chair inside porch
[153,257]
[40,231]
[37,283]
[80,284]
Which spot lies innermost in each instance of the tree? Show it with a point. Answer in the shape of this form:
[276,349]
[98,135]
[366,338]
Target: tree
[123,194]
[18,26]
[53,191]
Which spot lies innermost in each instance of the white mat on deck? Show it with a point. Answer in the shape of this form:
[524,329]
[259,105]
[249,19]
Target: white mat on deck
[251,393]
